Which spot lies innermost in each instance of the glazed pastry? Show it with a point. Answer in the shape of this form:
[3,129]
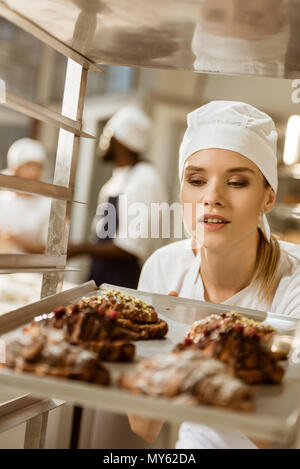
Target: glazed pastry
[113,316]
[157,330]
[133,315]
[118,351]
[190,373]
[215,322]
[47,353]
[243,344]
[84,323]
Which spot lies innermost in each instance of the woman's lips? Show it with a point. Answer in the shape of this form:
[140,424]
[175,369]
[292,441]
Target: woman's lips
[210,225]
[214,226]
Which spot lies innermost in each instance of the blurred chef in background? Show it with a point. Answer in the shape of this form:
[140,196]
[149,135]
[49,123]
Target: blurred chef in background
[117,258]
[24,217]
[242,37]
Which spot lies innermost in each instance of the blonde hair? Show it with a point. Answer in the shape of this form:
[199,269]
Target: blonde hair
[268,258]
[267,264]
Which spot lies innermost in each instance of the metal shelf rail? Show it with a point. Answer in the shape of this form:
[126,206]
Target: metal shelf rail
[53,263]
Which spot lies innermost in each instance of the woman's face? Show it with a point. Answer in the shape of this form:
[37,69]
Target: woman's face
[229,186]
[252,20]
[30,170]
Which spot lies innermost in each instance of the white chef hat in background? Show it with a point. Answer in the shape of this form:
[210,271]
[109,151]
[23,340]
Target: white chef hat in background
[235,126]
[235,55]
[25,150]
[130,126]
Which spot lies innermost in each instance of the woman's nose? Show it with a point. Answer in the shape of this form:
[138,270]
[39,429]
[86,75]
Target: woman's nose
[213,195]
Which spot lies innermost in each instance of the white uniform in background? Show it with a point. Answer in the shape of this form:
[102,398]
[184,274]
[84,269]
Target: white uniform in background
[21,215]
[175,267]
[140,183]
[25,216]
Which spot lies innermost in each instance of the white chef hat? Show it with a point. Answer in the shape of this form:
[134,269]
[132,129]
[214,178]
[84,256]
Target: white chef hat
[130,126]
[25,150]
[235,126]
[236,55]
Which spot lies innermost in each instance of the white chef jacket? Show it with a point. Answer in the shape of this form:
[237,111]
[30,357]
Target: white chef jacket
[175,267]
[140,183]
[25,216]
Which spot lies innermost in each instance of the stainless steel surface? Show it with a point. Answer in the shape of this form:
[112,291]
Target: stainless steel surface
[35,434]
[10,263]
[36,31]
[261,37]
[15,412]
[285,216]
[289,172]
[50,270]
[43,114]
[65,169]
[30,186]
[21,316]
[31,261]
[276,414]
[288,212]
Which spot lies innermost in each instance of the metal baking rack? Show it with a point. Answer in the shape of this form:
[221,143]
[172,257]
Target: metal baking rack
[276,414]
[79,30]
[53,264]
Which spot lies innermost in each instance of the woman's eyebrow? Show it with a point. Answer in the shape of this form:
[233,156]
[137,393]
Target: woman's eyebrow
[240,169]
[194,168]
[231,170]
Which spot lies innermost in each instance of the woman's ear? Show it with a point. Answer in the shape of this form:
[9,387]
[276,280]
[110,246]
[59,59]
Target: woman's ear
[269,201]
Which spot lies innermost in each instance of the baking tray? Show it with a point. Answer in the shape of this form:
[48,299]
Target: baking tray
[276,414]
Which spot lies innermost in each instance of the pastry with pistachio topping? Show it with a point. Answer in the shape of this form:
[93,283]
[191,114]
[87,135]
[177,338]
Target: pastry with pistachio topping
[137,318]
[126,306]
[243,344]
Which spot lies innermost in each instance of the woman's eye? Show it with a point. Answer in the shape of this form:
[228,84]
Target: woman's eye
[256,18]
[216,15]
[237,184]
[196,182]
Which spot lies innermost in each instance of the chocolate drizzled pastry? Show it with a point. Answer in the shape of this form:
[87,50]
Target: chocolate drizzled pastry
[157,330]
[86,324]
[111,317]
[243,344]
[133,315]
[47,353]
[118,351]
[191,377]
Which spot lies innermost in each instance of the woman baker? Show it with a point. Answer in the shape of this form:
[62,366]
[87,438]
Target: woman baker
[228,164]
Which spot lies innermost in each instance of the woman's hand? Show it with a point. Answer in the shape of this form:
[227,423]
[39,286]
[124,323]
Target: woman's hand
[173,293]
[148,429]
[27,245]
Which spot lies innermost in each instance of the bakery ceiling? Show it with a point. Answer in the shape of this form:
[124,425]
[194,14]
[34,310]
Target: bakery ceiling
[257,37]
